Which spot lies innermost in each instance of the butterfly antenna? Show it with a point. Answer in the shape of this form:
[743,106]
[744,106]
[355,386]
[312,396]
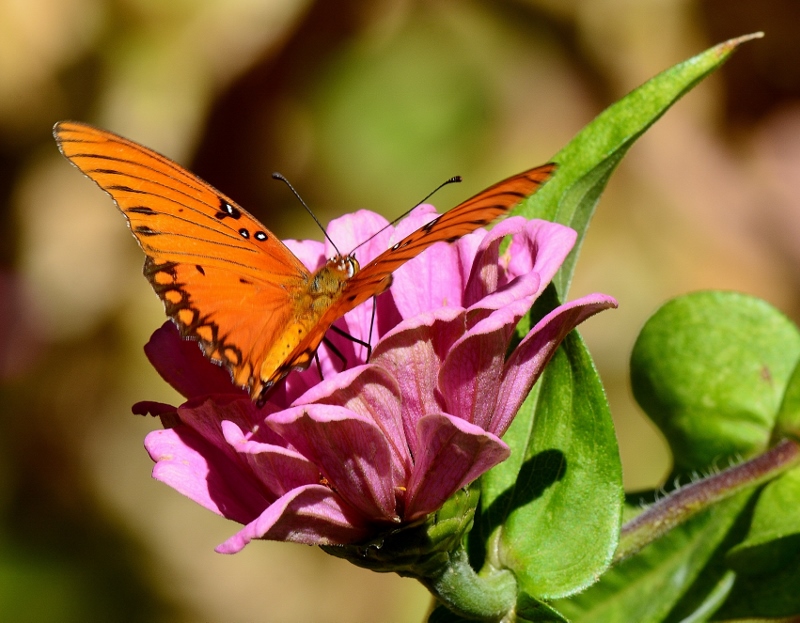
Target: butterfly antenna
[453,180]
[278,176]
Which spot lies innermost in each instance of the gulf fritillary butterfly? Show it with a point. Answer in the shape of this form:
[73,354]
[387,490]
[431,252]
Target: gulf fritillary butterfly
[226,280]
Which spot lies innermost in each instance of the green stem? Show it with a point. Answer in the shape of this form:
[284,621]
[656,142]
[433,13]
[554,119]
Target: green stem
[690,500]
[487,597]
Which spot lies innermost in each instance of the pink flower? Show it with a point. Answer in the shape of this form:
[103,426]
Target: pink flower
[383,443]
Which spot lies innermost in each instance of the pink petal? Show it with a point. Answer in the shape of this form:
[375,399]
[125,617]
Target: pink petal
[203,473]
[531,356]
[483,277]
[310,252]
[514,299]
[413,353]
[453,454]
[154,408]
[356,230]
[542,248]
[182,364]
[438,276]
[350,451]
[313,515]
[470,376]
[429,281]
[372,392]
[205,416]
[279,469]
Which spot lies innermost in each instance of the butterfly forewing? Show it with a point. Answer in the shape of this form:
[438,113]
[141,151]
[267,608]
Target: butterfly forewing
[224,278]
[173,213]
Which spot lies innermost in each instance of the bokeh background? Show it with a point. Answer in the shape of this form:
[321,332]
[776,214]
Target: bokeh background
[361,104]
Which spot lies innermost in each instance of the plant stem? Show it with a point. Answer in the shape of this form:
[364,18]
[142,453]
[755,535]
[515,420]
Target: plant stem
[487,597]
[690,500]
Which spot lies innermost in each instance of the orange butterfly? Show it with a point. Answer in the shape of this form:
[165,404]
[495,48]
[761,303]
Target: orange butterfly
[226,280]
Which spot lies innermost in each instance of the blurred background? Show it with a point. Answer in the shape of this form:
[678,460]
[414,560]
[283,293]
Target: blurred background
[360,104]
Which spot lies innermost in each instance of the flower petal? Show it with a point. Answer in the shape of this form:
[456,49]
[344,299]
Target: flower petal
[532,354]
[412,353]
[350,451]
[453,453]
[469,378]
[182,364]
[204,473]
[437,278]
[372,392]
[279,469]
[314,515]
[206,414]
[542,248]
[310,252]
[349,232]
[484,273]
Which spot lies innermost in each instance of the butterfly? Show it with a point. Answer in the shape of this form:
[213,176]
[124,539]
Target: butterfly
[226,280]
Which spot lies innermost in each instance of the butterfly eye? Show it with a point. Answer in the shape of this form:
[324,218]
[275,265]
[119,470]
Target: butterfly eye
[352,266]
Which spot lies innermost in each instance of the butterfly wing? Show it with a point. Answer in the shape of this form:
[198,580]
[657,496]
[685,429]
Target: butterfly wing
[225,279]
[465,218]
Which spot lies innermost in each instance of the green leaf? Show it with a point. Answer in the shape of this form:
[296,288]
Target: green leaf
[587,162]
[559,499]
[530,610]
[788,424]
[649,586]
[710,369]
[765,594]
[766,589]
[776,522]
[767,562]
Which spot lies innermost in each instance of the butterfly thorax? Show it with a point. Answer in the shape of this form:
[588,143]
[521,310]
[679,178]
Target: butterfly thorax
[300,339]
[325,288]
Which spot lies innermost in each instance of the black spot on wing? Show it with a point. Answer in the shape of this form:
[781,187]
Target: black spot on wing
[127,189]
[226,210]
[144,230]
[427,227]
[260,236]
[200,269]
[142,210]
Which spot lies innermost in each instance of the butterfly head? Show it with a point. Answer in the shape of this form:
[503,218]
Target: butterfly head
[345,265]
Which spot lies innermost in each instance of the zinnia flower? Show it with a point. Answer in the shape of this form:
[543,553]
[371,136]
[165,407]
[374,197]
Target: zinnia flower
[383,443]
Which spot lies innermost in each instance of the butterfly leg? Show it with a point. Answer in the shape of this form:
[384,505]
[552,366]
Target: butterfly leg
[371,326]
[316,360]
[334,351]
[344,334]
